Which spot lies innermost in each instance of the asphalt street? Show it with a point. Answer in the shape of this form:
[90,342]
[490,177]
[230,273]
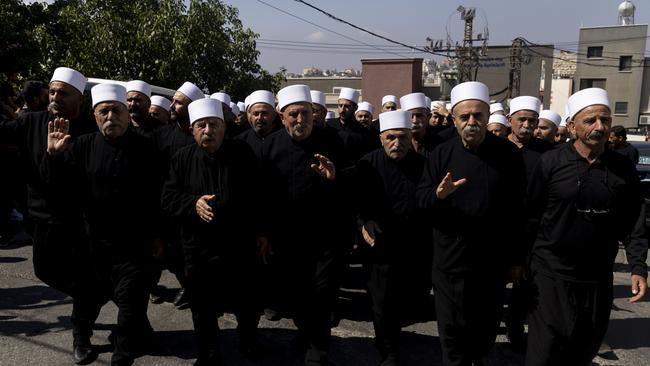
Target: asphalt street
[35,328]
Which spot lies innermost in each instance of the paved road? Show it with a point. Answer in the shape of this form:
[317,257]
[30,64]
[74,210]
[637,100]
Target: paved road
[35,328]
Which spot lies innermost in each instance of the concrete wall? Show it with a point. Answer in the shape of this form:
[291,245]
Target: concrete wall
[390,76]
[622,86]
[561,89]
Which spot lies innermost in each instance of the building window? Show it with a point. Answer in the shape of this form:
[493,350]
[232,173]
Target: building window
[592,83]
[620,108]
[594,52]
[625,63]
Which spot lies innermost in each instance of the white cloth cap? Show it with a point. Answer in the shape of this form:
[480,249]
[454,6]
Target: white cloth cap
[498,118]
[365,106]
[448,107]
[223,97]
[585,98]
[317,97]
[191,91]
[330,115]
[234,108]
[70,76]
[241,106]
[563,123]
[394,119]
[293,94]
[525,103]
[349,94]
[470,90]
[139,86]
[260,96]
[108,93]
[412,101]
[551,116]
[437,104]
[427,101]
[388,98]
[161,102]
[206,107]
[496,107]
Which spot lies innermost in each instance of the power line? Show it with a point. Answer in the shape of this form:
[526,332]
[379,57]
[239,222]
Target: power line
[326,29]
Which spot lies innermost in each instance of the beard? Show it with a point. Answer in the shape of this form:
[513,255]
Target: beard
[525,132]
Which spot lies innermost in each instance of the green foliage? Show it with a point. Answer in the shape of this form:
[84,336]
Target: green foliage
[159,41]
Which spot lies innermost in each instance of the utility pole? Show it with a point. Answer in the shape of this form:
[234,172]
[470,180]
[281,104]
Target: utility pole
[467,64]
[514,85]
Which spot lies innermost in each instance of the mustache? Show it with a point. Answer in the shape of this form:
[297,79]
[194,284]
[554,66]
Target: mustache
[526,131]
[55,105]
[472,129]
[596,135]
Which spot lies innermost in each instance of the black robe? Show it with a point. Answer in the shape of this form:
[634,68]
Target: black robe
[253,140]
[357,140]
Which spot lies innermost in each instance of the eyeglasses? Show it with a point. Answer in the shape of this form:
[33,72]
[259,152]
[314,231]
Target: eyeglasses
[598,190]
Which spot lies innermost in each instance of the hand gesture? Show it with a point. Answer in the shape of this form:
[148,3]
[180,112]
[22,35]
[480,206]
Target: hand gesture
[447,186]
[57,136]
[325,167]
[370,230]
[203,208]
[639,287]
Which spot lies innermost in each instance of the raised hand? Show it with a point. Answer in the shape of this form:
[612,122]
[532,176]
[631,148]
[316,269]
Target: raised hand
[203,208]
[324,167]
[447,186]
[370,230]
[57,136]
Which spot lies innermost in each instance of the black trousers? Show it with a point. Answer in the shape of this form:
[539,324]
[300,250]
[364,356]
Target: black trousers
[468,307]
[568,321]
[219,285]
[385,293]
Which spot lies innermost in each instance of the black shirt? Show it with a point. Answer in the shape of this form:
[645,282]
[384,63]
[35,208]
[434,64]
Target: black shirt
[357,140]
[583,210]
[629,151]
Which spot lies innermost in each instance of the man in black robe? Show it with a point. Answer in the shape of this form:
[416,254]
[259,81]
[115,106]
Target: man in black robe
[585,198]
[113,171]
[399,260]
[210,191]
[60,245]
[469,184]
[425,138]
[138,97]
[261,115]
[159,109]
[299,168]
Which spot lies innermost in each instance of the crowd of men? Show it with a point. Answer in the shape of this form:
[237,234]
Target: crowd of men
[255,206]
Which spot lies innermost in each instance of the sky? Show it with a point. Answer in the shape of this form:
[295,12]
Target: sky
[295,44]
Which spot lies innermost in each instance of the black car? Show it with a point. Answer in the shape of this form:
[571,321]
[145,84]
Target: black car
[643,168]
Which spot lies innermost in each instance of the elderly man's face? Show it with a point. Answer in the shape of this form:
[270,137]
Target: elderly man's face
[138,105]
[178,110]
[591,126]
[346,109]
[298,120]
[419,120]
[363,117]
[388,106]
[261,116]
[470,118]
[112,119]
[523,124]
[546,130]
[396,142]
[159,113]
[498,129]
[320,114]
[209,133]
[65,100]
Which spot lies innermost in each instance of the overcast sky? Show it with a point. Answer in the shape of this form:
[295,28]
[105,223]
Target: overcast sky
[295,44]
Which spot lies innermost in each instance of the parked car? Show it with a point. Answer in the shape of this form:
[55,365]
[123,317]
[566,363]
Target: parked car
[643,168]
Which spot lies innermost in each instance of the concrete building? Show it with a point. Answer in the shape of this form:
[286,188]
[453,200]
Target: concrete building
[613,58]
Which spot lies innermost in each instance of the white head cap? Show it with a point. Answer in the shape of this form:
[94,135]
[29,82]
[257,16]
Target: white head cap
[427,101]
[437,104]
[223,97]
[498,118]
[330,115]
[108,93]
[191,91]
[585,98]
[293,94]
[70,76]
[241,106]
[350,94]
[412,101]
[448,107]
[365,106]
[470,90]
[203,108]
[551,116]
[234,108]
[317,97]
[260,96]
[525,103]
[139,86]
[496,107]
[161,102]
[388,98]
[394,119]
[563,123]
